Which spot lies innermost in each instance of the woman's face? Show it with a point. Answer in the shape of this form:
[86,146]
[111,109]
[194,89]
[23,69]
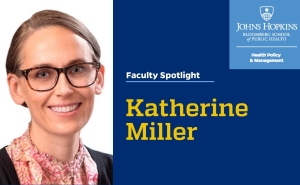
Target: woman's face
[65,109]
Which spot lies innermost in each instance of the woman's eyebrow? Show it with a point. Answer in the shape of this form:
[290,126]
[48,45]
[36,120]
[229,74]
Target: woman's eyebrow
[78,60]
[42,65]
[49,64]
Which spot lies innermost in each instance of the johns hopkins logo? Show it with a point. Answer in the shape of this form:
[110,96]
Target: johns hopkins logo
[266,12]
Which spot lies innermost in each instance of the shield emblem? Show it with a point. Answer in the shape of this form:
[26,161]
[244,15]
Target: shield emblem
[266,12]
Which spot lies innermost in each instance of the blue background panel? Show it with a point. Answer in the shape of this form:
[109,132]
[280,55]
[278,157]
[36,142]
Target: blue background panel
[174,36]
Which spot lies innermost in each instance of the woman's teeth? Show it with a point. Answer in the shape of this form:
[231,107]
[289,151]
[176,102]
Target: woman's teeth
[65,108]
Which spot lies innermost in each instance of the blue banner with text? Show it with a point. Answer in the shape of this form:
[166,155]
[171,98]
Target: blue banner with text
[182,115]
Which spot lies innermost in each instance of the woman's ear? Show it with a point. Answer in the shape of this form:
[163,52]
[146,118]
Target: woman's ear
[15,89]
[100,80]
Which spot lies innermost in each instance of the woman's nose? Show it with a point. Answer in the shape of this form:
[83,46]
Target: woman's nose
[63,87]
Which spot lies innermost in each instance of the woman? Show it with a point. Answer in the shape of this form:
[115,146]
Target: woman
[53,69]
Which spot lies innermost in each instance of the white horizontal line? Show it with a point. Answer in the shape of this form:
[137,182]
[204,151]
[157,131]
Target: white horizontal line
[169,81]
[266,46]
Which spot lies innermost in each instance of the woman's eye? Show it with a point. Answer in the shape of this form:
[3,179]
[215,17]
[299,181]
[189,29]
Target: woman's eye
[77,69]
[43,74]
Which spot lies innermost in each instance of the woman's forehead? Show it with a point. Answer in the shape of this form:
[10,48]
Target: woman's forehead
[56,45]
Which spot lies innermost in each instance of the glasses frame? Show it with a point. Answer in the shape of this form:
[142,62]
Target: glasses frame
[64,70]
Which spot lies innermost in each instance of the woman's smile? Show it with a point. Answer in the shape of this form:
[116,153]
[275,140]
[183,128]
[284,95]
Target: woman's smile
[65,108]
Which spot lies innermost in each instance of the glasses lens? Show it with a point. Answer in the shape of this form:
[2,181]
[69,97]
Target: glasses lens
[81,75]
[42,79]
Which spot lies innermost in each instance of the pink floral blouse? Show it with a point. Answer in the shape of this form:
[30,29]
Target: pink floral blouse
[36,167]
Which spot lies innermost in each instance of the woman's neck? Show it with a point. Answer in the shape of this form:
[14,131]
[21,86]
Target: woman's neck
[63,148]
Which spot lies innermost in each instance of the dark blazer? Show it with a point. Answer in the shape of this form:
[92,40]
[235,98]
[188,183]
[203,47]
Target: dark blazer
[8,174]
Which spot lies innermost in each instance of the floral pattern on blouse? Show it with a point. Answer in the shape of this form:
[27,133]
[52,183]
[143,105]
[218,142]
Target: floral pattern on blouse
[36,167]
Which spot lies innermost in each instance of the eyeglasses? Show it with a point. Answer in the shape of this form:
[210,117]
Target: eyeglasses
[45,78]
